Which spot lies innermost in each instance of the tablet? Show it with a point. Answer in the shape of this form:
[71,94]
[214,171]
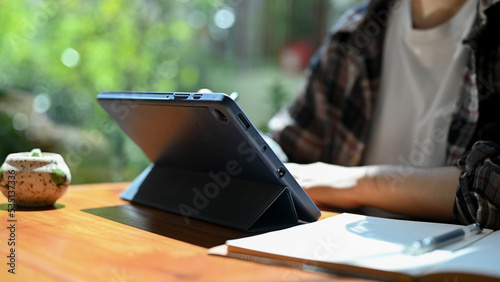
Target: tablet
[205,133]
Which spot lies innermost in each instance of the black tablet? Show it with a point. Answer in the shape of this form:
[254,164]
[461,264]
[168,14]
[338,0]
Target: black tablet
[202,141]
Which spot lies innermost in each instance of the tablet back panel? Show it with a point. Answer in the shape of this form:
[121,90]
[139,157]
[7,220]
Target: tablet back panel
[206,133]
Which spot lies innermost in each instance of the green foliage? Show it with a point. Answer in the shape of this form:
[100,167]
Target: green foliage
[119,44]
[277,96]
[68,51]
[9,139]
[71,50]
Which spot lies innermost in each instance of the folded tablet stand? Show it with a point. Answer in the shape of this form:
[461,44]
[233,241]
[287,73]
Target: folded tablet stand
[209,161]
[237,203]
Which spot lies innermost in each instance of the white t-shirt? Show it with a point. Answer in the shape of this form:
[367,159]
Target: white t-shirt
[422,72]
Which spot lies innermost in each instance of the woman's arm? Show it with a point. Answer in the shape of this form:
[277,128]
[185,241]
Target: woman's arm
[420,192]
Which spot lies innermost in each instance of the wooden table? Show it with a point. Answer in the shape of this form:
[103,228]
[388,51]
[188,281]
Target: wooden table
[92,235]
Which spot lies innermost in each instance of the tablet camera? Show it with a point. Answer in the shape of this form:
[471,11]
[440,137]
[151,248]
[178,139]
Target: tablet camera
[220,116]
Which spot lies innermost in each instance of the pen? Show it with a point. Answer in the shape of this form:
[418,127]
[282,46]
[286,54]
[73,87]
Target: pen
[234,95]
[431,243]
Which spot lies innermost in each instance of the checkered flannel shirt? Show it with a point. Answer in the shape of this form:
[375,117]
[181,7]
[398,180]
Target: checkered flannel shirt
[331,118]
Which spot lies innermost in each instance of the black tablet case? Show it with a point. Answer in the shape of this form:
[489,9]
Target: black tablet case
[208,162]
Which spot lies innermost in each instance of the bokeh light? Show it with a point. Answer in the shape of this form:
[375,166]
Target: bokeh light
[41,103]
[197,19]
[20,121]
[70,57]
[38,119]
[169,69]
[224,18]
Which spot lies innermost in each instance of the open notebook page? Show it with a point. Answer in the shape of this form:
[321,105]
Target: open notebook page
[481,258]
[368,242]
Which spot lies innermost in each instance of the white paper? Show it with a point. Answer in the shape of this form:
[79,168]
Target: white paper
[370,242]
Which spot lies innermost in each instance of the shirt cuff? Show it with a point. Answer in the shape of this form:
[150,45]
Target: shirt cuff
[478,196]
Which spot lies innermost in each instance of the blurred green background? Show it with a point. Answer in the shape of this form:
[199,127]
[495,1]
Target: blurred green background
[58,55]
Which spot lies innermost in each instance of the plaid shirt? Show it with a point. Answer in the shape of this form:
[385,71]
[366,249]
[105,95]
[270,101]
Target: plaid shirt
[331,118]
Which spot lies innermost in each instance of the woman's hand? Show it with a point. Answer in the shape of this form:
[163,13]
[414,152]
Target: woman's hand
[418,192]
[332,185]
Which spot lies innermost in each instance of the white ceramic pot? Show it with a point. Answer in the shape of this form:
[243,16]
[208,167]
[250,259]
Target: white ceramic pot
[34,179]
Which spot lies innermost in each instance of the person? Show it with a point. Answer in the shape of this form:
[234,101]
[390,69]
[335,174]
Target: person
[398,112]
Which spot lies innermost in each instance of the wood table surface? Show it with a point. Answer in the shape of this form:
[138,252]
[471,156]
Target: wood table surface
[92,235]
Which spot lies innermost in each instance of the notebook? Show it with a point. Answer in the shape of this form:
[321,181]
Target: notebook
[372,247]
[208,161]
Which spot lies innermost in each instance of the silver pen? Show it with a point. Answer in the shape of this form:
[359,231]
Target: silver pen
[431,243]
